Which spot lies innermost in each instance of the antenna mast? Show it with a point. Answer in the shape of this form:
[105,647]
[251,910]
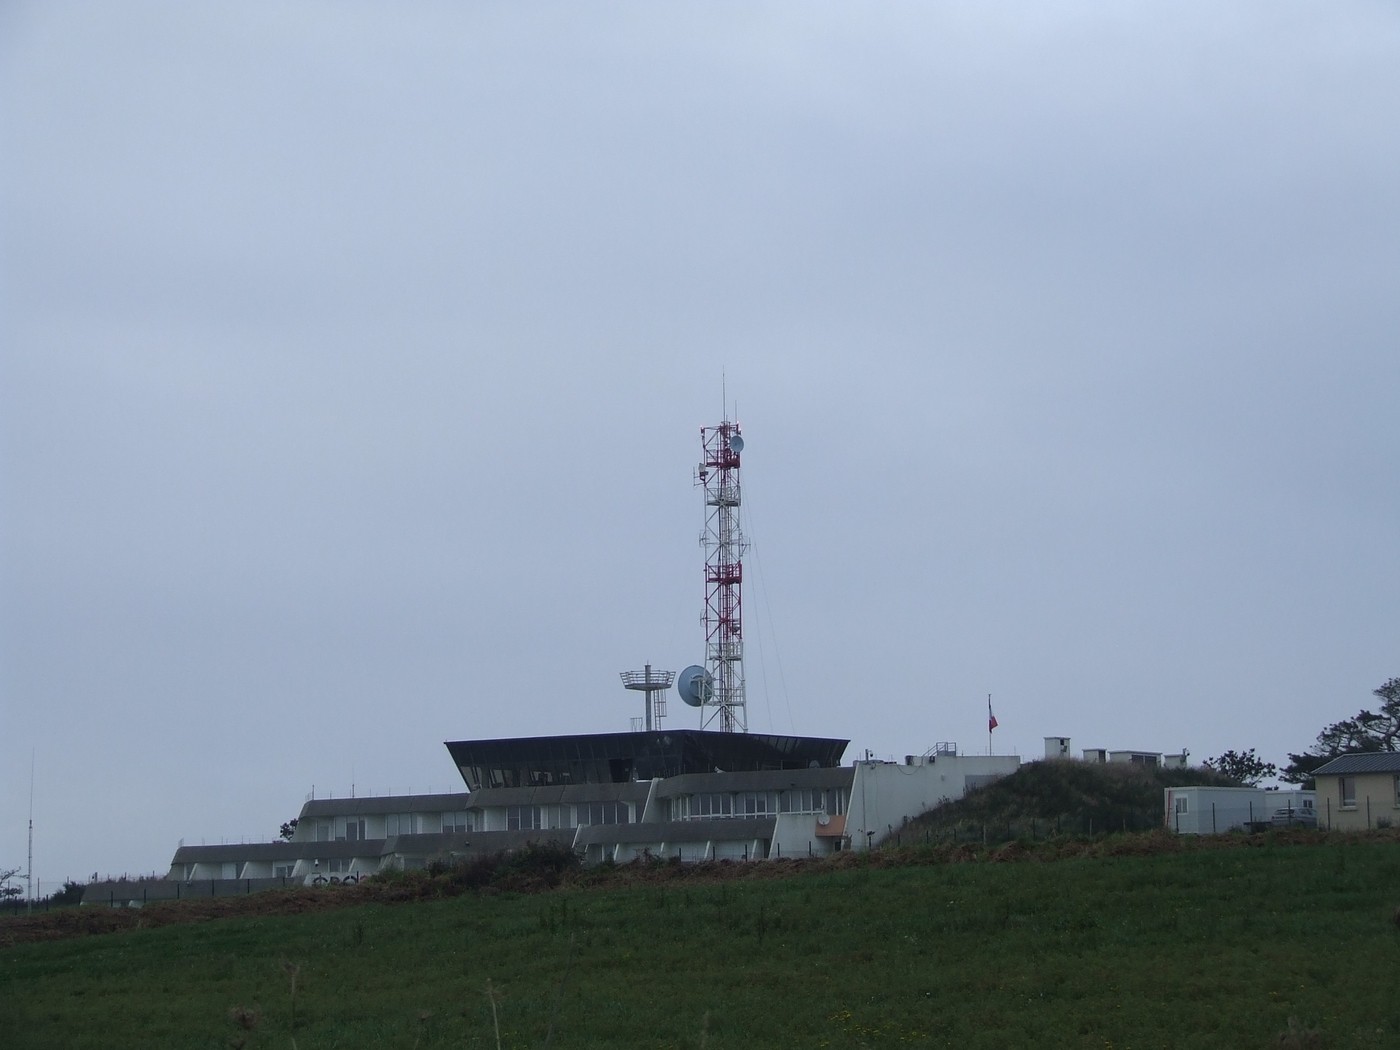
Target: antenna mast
[724,545]
[29,874]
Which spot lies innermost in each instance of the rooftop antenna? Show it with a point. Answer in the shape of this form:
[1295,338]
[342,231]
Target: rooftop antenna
[654,684]
[720,693]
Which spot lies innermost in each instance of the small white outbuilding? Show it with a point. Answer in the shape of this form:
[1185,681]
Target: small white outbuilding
[1216,810]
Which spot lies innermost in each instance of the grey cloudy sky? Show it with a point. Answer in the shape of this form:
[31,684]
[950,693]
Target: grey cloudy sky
[354,356]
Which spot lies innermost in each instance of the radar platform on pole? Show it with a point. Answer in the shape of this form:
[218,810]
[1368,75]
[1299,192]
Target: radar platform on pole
[654,683]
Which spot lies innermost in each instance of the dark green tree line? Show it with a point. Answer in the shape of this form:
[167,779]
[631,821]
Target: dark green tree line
[1367,730]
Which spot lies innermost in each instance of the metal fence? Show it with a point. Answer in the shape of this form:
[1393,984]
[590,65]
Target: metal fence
[1032,829]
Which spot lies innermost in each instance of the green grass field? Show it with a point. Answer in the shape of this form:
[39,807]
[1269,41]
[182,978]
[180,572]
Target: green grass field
[1205,948]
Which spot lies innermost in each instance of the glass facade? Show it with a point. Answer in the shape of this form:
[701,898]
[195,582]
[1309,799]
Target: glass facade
[618,758]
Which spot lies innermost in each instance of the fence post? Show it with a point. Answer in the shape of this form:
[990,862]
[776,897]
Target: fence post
[1368,812]
[1212,819]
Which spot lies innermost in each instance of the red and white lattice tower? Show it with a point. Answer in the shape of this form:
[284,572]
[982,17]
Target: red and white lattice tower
[724,545]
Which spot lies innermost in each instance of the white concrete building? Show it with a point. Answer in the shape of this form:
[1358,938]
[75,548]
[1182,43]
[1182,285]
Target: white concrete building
[781,797]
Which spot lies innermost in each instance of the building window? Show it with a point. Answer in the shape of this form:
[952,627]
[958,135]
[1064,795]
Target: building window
[351,829]
[807,800]
[603,813]
[714,805]
[756,804]
[1183,804]
[338,865]
[455,823]
[1347,788]
[523,818]
[282,871]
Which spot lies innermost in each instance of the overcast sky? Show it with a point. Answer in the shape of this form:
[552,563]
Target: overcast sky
[354,357]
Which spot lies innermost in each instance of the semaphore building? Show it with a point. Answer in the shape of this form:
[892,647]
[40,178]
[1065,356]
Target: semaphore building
[688,794]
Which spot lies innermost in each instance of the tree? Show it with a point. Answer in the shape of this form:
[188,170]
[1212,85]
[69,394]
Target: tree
[1367,731]
[72,893]
[6,890]
[1245,767]
[289,829]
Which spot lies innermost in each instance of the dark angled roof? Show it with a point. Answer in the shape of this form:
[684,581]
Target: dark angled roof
[1371,762]
[616,758]
[218,854]
[282,851]
[364,806]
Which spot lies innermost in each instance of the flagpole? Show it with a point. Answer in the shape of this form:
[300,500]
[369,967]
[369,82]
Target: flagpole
[990,722]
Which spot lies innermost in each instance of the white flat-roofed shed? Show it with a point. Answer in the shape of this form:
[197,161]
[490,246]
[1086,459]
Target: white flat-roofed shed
[1216,810]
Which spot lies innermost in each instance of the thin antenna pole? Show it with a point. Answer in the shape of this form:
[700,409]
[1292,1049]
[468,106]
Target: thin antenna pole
[29,875]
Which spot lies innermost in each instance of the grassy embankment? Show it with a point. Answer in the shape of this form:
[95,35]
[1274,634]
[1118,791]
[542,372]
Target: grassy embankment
[1048,798]
[1138,942]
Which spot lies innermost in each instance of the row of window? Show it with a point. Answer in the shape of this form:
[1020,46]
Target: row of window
[529,818]
[710,805]
[355,829]
[533,818]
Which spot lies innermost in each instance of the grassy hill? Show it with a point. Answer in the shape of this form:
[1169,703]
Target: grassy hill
[1145,941]
[1051,797]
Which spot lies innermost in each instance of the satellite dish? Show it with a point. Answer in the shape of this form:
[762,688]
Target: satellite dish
[823,819]
[695,685]
[736,443]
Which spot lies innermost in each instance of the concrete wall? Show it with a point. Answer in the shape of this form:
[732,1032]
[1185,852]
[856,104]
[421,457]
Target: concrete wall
[1375,802]
[886,795]
[803,835]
